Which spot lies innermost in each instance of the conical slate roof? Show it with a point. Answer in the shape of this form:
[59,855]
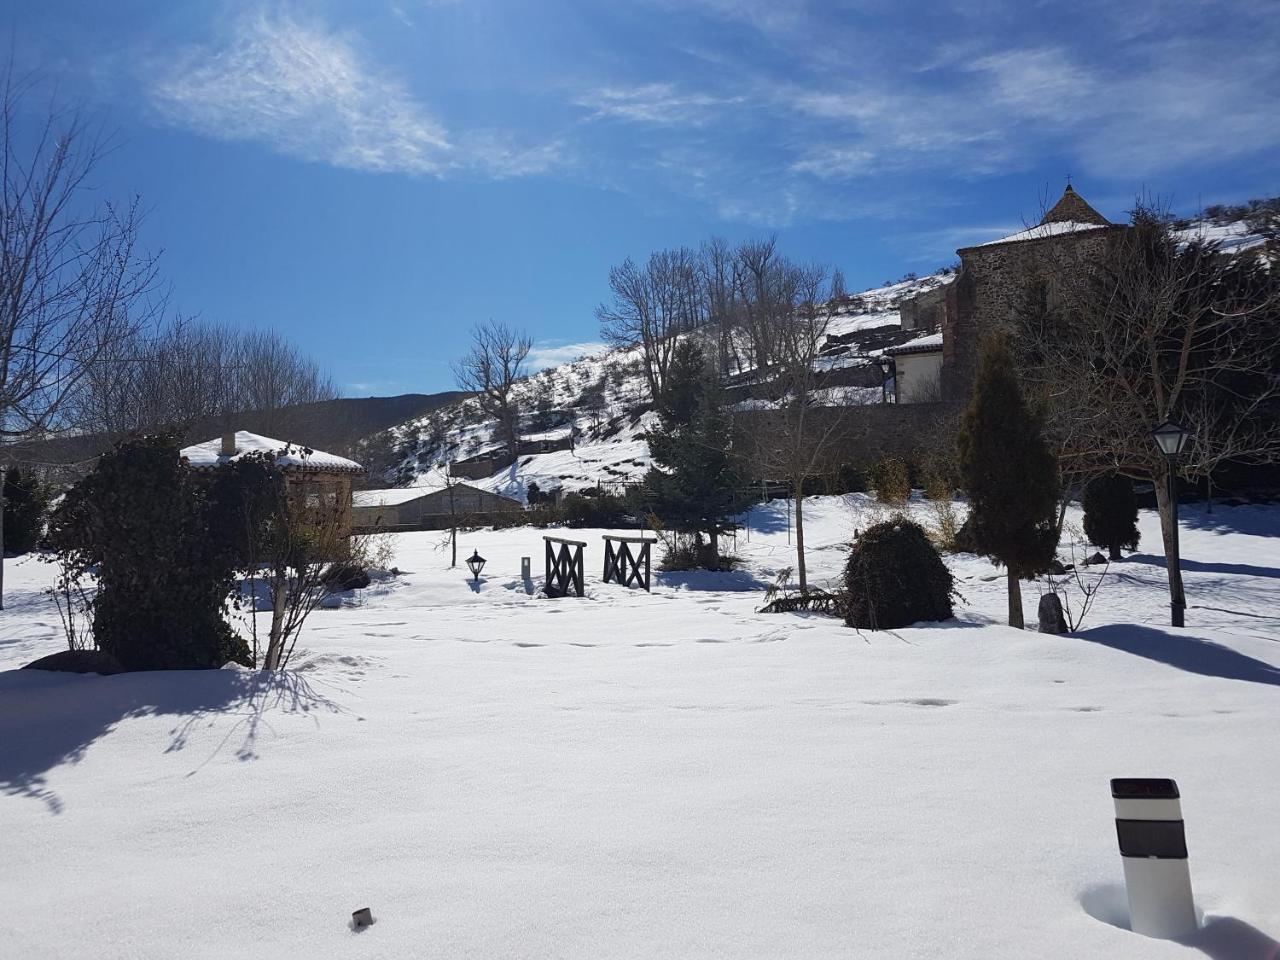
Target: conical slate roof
[1071,208]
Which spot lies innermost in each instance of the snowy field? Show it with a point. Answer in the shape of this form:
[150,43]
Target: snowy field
[665,775]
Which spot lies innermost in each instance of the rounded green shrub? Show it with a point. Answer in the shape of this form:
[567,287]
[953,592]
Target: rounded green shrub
[895,578]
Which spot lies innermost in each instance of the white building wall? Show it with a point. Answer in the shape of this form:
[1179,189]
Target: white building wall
[919,377]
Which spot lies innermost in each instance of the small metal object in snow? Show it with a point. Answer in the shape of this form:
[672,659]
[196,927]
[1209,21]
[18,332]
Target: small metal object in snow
[1153,848]
[362,918]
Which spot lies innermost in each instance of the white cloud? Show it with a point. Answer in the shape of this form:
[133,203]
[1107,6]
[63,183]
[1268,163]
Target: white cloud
[551,353]
[306,92]
[653,103]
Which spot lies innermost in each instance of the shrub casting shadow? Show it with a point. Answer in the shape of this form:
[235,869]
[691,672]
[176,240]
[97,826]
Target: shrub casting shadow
[50,719]
[1192,654]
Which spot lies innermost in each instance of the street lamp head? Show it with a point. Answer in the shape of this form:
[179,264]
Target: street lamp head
[475,563]
[1170,437]
[885,363]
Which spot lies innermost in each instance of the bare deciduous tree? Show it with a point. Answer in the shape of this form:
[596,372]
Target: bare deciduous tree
[652,305]
[72,283]
[1152,329]
[195,377]
[495,364]
[795,441]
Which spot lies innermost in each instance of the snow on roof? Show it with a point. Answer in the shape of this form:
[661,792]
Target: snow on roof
[390,497]
[925,344]
[1040,231]
[290,456]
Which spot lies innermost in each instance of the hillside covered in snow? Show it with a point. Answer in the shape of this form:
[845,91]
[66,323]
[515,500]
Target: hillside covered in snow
[602,402]
[583,423]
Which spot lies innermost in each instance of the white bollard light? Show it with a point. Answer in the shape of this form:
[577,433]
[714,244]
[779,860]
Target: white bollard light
[1153,848]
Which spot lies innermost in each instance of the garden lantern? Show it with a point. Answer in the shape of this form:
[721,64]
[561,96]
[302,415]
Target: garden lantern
[475,563]
[886,365]
[1171,438]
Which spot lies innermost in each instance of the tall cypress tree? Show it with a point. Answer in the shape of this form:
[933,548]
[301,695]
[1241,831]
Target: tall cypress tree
[1111,514]
[694,484]
[1009,474]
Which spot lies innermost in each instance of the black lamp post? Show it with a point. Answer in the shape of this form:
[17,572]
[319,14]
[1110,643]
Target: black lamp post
[475,563]
[1171,438]
[886,365]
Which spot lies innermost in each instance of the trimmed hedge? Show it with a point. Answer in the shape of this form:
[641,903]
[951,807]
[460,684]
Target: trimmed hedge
[895,578]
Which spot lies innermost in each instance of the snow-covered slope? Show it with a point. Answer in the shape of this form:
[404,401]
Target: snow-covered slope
[604,401]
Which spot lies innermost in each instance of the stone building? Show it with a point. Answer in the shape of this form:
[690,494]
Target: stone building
[315,481]
[993,277]
[984,296]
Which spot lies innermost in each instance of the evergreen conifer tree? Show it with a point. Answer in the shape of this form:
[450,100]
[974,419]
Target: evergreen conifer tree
[694,484]
[25,504]
[1111,514]
[1009,474]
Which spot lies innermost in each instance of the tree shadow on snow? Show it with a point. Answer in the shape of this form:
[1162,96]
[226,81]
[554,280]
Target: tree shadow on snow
[50,719]
[1200,566]
[1192,654]
[1219,938]
[1256,519]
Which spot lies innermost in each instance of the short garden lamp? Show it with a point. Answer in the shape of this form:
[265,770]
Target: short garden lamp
[885,363]
[1171,437]
[475,563]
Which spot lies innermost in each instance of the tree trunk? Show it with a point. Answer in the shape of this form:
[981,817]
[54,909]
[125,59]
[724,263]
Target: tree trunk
[1015,601]
[714,556]
[1062,512]
[1169,534]
[800,569]
[275,643]
[1114,553]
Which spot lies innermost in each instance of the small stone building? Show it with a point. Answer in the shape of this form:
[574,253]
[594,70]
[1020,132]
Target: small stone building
[316,480]
[429,508]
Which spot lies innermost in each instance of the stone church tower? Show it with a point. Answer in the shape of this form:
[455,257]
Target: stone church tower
[992,276]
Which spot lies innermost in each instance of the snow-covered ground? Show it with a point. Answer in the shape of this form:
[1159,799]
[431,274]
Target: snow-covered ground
[653,775]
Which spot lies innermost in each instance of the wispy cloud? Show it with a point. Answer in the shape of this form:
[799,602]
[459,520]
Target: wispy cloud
[652,103]
[552,353]
[305,91]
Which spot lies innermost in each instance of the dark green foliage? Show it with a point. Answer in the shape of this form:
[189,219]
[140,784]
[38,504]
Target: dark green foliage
[850,478]
[1007,469]
[78,661]
[1111,514]
[25,503]
[533,494]
[602,510]
[695,485]
[347,576]
[686,383]
[895,578]
[142,521]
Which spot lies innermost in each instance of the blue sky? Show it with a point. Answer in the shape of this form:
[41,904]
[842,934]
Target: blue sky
[373,178]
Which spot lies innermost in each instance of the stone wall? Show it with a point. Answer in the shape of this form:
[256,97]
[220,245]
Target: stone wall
[865,434]
[990,287]
[925,310]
